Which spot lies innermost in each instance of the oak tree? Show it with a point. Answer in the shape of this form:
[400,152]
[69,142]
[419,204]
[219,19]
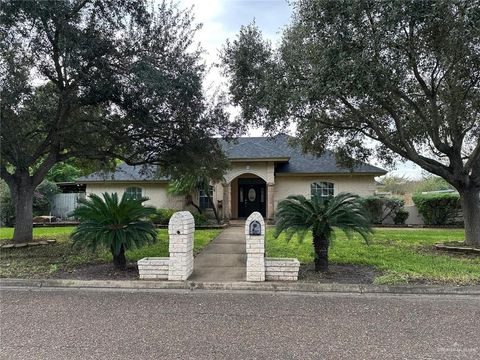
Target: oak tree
[99,79]
[395,79]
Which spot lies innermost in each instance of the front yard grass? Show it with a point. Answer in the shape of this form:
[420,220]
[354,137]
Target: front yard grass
[44,261]
[402,255]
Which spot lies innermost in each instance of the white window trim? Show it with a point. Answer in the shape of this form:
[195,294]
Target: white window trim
[135,187]
[323,189]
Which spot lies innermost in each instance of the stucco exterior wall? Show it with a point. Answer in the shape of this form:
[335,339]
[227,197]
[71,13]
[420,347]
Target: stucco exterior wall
[362,185]
[156,192]
[283,186]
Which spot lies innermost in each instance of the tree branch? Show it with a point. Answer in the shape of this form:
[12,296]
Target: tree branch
[474,159]
[5,175]
[410,154]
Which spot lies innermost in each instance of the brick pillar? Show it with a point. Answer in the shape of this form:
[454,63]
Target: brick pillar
[255,248]
[181,228]
[270,200]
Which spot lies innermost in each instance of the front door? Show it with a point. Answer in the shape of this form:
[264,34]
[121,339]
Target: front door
[251,197]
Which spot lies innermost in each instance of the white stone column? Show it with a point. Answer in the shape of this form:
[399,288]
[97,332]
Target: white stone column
[181,228]
[255,247]
[270,200]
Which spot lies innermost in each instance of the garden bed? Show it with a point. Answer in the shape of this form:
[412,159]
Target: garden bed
[97,272]
[340,274]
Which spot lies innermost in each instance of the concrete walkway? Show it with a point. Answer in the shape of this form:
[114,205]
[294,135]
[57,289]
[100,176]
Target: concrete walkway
[224,259]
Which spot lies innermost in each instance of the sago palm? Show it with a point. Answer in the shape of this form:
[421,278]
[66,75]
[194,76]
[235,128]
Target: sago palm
[116,225]
[320,215]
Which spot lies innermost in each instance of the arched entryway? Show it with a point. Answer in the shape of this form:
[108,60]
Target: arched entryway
[248,194]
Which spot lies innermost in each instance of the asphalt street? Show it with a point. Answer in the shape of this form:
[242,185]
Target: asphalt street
[96,324]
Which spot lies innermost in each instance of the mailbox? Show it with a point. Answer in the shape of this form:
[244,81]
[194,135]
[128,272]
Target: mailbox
[255,228]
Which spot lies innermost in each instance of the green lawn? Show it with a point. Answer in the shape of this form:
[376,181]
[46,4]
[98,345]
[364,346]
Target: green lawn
[404,255]
[41,261]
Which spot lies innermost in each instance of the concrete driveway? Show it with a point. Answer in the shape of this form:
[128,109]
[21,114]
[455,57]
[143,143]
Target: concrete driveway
[95,324]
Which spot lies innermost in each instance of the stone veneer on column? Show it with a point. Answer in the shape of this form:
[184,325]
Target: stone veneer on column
[181,228]
[255,249]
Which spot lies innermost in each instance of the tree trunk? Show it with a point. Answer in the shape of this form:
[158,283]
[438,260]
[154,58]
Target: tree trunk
[320,245]
[119,261]
[214,208]
[22,195]
[189,201]
[471,215]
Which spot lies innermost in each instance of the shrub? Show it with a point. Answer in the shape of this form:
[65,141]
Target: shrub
[162,216]
[400,217]
[379,208]
[113,224]
[42,197]
[200,219]
[438,209]
[7,211]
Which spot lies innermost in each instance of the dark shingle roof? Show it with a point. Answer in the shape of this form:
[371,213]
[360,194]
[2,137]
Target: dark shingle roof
[256,148]
[126,172]
[278,147]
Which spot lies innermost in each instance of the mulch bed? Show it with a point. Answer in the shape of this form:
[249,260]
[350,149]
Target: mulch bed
[340,274]
[98,272]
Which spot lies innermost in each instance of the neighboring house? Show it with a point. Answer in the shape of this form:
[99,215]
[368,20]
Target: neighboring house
[263,172]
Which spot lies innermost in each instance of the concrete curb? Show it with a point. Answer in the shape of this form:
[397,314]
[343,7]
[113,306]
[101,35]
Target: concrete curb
[243,286]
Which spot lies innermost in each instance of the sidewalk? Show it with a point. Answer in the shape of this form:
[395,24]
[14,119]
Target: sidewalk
[223,260]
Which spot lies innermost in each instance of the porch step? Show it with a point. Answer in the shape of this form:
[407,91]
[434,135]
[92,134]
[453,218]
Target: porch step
[237,223]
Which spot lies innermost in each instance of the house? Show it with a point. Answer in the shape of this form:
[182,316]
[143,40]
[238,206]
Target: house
[263,172]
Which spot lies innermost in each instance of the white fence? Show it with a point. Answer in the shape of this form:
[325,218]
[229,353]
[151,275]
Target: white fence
[64,204]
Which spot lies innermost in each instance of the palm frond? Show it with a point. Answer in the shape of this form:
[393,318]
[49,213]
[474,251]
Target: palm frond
[297,214]
[111,223]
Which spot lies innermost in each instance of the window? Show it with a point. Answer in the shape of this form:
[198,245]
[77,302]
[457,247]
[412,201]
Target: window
[203,199]
[322,188]
[134,192]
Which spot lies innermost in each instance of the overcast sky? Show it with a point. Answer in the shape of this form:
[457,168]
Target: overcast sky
[222,19]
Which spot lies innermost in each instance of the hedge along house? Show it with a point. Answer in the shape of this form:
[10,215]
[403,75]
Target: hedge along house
[263,172]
